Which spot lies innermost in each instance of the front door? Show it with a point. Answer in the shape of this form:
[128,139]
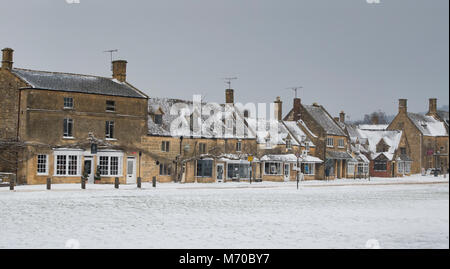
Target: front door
[88,167]
[287,172]
[220,172]
[131,170]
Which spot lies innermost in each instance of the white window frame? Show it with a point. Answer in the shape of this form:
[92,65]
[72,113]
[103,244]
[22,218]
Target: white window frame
[46,165]
[311,169]
[108,134]
[66,121]
[239,146]
[330,145]
[280,170]
[67,153]
[68,107]
[351,168]
[341,141]
[400,167]
[110,155]
[407,167]
[165,146]
[288,143]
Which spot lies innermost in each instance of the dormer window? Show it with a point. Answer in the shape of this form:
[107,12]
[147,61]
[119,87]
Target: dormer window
[158,119]
[288,144]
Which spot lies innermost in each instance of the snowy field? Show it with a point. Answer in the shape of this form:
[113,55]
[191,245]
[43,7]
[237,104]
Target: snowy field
[411,212]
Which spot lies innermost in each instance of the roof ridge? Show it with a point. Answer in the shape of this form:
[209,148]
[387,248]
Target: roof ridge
[62,73]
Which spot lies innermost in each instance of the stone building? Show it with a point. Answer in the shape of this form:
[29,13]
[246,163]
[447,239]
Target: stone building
[59,125]
[332,143]
[427,136]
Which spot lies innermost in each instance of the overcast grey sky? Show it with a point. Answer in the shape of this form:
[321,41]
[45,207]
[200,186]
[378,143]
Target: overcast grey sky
[348,54]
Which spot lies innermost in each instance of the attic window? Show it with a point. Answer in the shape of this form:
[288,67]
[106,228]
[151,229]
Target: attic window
[158,119]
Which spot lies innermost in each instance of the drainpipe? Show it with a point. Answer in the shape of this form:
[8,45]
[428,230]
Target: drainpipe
[17,136]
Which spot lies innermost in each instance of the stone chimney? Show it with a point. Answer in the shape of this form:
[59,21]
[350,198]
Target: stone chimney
[7,61]
[433,106]
[375,119]
[403,106]
[120,70]
[278,109]
[229,96]
[342,117]
[336,119]
[297,108]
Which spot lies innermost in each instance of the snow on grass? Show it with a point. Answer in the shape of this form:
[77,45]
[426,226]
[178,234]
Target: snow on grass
[412,212]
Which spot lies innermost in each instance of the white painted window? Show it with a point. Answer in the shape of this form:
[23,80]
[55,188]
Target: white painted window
[67,164]
[42,165]
[341,143]
[309,169]
[110,106]
[407,167]
[165,146]
[165,169]
[330,142]
[202,148]
[351,168]
[109,132]
[288,144]
[400,167]
[272,168]
[68,128]
[239,146]
[110,164]
[68,103]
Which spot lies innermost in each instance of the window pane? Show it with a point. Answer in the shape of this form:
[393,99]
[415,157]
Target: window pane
[114,166]
[42,164]
[73,164]
[103,165]
[61,162]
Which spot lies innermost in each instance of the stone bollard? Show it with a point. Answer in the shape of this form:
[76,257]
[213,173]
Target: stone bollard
[83,184]
[116,183]
[11,185]
[49,184]
[154,182]
[139,183]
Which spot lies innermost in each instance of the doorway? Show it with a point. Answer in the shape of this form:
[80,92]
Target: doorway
[89,168]
[287,172]
[220,172]
[131,170]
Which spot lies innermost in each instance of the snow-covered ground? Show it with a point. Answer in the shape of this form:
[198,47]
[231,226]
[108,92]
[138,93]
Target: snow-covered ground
[411,212]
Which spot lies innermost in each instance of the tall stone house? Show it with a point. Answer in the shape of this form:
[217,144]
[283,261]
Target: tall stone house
[427,136]
[332,143]
[60,125]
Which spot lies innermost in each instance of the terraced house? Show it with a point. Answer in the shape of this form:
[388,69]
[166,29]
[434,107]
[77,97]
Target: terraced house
[332,143]
[427,136]
[62,125]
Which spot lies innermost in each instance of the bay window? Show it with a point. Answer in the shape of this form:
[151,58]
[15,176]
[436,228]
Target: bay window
[272,168]
[204,168]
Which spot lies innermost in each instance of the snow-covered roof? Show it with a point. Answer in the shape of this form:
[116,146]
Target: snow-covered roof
[428,125]
[164,129]
[77,83]
[271,129]
[290,158]
[297,132]
[391,138]
[324,120]
[374,127]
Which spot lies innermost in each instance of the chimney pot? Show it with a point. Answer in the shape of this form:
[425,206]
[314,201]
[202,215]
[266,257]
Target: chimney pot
[120,70]
[7,61]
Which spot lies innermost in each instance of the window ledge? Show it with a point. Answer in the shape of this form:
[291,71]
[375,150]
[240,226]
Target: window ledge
[111,139]
[68,138]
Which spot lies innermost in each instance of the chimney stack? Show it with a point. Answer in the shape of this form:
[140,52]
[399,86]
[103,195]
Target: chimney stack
[342,117]
[433,106]
[229,96]
[120,70]
[403,106]
[7,62]
[375,119]
[278,109]
[297,108]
